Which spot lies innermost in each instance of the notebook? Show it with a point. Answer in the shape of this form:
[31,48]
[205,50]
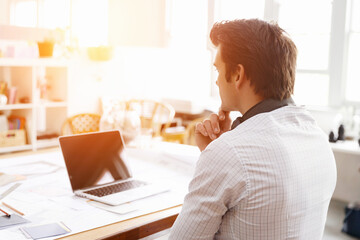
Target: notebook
[97,167]
[46,230]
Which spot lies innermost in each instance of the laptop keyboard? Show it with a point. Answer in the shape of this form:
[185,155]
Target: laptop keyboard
[119,187]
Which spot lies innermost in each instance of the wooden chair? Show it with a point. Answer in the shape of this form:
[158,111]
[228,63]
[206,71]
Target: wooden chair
[81,123]
[154,116]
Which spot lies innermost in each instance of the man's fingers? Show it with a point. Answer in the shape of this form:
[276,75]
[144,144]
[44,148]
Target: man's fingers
[225,120]
[214,119]
[209,129]
[223,114]
[199,128]
[212,126]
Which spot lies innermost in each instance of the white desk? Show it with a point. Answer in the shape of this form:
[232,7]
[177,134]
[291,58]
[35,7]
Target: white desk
[349,147]
[347,156]
[48,198]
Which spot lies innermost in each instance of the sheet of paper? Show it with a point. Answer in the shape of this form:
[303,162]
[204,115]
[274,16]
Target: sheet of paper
[11,234]
[34,168]
[178,152]
[120,209]
[72,202]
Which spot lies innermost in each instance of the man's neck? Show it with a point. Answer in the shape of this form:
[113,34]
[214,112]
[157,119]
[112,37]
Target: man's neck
[249,102]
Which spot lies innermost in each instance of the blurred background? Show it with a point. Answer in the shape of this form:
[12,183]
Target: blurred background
[161,47]
[72,66]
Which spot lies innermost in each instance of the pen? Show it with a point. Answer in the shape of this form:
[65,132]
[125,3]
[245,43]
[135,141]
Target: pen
[12,208]
[8,215]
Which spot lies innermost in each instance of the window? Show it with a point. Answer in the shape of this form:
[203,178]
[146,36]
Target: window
[88,19]
[352,92]
[328,56]
[187,25]
[56,14]
[90,22]
[49,14]
[235,9]
[24,13]
[312,39]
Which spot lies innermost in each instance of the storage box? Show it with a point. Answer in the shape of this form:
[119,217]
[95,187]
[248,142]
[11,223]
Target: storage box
[12,138]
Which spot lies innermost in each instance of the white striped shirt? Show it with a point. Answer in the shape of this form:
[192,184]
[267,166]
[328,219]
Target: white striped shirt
[272,177]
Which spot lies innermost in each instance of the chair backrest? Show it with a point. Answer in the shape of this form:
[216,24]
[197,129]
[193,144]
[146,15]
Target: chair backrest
[153,114]
[81,123]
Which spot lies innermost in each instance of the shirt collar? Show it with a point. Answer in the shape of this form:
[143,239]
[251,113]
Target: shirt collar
[266,105]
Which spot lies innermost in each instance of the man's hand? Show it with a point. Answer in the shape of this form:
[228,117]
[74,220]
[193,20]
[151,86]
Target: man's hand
[211,128]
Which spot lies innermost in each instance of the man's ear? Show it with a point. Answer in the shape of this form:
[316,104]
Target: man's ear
[239,76]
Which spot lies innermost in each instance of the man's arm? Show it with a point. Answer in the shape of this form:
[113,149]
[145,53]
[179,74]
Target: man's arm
[218,185]
[211,128]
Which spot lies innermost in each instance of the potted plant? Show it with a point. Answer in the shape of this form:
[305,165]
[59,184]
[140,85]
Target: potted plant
[46,47]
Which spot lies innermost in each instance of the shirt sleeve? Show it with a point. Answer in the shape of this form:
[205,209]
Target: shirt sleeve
[219,184]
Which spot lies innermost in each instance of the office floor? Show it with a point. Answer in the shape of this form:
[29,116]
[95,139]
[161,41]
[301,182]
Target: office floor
[333,223]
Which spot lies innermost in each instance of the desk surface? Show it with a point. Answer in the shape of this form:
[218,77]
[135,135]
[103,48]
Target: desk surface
[348,147]
[116,226]
[122,225]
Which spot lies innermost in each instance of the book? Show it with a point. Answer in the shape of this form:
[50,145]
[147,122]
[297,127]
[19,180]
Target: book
[16,122]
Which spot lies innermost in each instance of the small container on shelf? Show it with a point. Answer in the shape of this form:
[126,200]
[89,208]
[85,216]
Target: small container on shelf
[3,99]
[46,48]
[15,133]
[11,138]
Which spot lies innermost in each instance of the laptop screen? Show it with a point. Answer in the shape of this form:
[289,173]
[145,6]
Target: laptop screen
[94,158]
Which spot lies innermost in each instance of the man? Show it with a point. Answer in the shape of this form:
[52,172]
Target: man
[272,176]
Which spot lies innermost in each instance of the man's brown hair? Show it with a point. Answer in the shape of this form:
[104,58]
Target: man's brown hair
[264,49]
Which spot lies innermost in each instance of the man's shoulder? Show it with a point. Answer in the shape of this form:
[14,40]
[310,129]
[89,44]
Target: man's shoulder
[282,117]
[221,148]
[289,119]
[263,126]
[220,145]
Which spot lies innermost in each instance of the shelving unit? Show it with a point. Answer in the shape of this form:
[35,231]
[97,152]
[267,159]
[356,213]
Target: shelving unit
[43,115]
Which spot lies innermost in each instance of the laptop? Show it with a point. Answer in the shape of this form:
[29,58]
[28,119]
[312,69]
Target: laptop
[97,169]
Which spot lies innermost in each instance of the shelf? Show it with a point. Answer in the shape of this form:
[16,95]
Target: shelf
[28,62]
[30,105]
[15,148]
[349,147]
[49,113]
[53,104]
[16,106]
[47,143]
